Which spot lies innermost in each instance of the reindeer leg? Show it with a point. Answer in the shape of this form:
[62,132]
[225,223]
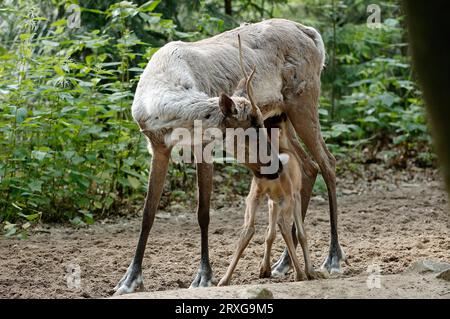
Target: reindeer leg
[204,276]
[309,175]
[305,119]
[309,170]
[132,280]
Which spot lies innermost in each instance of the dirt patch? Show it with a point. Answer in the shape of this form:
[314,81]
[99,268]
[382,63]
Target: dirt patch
[390,220]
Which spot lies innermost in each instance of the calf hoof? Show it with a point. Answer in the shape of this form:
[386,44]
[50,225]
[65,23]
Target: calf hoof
[301,276]
[265,272]
[313,274]
[224,282]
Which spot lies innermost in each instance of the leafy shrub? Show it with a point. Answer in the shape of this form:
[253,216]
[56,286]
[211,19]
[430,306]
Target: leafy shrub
[69,148]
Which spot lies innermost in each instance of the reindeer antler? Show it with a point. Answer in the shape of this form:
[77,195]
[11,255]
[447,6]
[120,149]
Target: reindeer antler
[248,79]
[241,59]
[250,89]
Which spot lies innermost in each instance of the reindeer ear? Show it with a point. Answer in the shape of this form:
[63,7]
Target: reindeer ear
[227,105]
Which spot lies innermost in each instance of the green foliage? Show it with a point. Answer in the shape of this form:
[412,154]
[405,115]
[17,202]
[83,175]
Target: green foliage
[369,95]
[69,148]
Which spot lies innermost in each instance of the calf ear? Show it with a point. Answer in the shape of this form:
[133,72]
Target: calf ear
[227,105]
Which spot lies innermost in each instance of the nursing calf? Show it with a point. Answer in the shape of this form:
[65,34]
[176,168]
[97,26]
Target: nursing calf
[284,208]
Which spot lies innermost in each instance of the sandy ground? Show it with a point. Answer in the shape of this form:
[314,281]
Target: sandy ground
[389,219]
[405,285]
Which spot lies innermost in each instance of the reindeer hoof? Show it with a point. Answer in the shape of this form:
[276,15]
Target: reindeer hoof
[333,262]
[283,266]
[131,282]
[202,279]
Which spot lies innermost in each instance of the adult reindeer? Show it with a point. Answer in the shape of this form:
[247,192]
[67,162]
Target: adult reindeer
[181,84]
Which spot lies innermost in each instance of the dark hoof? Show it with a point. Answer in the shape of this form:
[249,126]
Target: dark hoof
[203,279]
[333,262]
[282,267]
[131,282]
[265,272]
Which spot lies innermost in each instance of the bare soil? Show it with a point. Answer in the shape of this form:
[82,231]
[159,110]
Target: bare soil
[411,285]
[387,218]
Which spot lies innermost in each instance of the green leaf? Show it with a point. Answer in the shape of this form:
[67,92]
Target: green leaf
[25,36]
[58,23]
[88,217]
[39,155]
[35,186]
[323,112]
[136,69]
[59,70]
[11,232]
[76,160]
[109,201]
[387,99]
[21,114]
[31,217]
[359,83]
[370,119]
[98,205]
[77,221]
[134,182]
[151,19]
[50,43]
[149,6]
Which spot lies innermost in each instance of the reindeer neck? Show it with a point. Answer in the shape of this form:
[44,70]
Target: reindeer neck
[168,108]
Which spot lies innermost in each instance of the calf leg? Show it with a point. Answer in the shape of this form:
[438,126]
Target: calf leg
[246,236]
[204,185]
[301,236]
[132,280]
[265,271]
[309,175]
[284,223]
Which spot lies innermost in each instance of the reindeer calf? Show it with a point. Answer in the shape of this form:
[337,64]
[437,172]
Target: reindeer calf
[284,208]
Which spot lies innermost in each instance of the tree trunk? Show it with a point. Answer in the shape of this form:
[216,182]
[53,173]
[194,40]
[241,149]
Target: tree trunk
[429,32]
[228,7]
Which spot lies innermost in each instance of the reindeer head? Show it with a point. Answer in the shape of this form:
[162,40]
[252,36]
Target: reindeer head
[242,113]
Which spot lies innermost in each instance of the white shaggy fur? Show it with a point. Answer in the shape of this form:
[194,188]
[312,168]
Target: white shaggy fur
[182,81]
